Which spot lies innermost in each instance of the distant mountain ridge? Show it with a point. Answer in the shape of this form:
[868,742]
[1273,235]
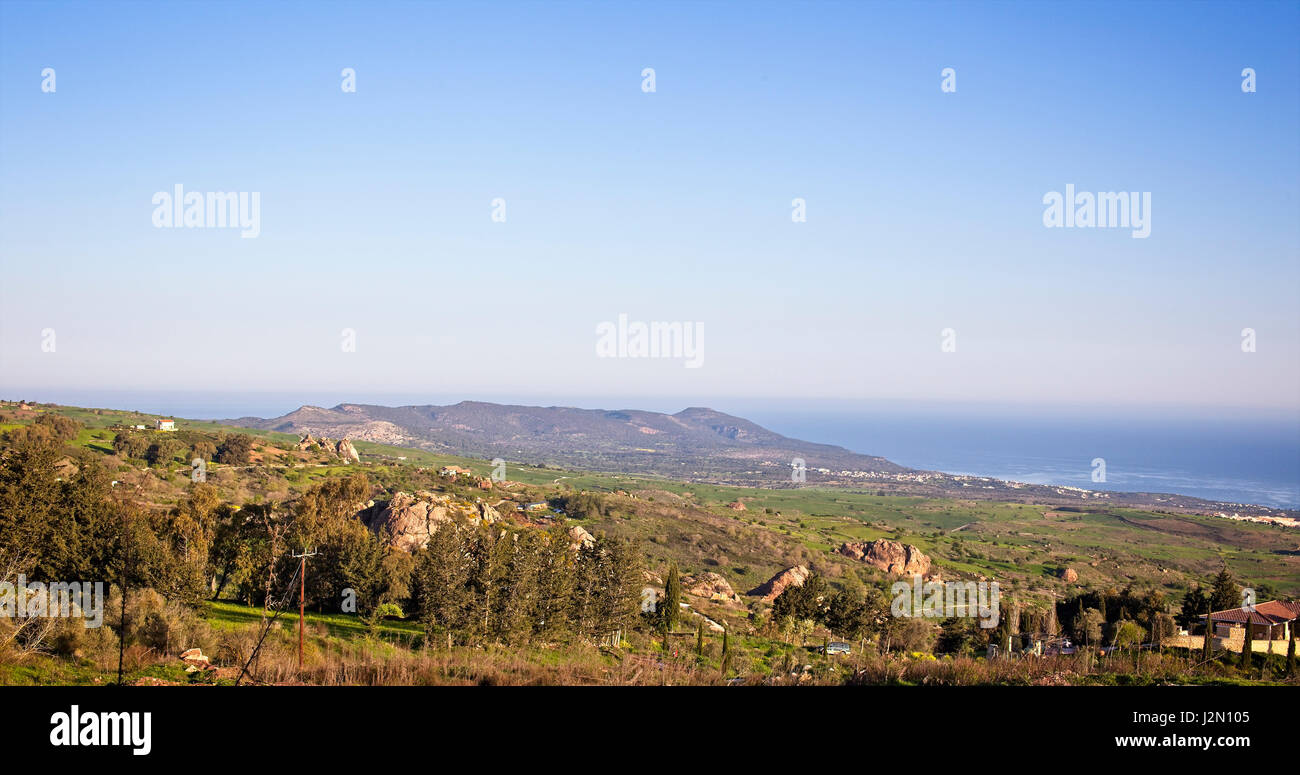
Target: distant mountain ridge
[696,441]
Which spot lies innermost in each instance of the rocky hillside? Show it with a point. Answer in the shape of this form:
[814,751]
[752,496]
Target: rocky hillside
[695,442]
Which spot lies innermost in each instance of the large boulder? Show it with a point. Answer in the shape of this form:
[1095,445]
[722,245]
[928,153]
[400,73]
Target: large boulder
[1068,575]
[769,590]
[889,556]
[407,521]
[486,514]
[345,450]
[342,448]
[709,585]
[579,537]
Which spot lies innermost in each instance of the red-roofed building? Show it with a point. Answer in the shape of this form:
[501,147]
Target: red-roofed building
[1274,620]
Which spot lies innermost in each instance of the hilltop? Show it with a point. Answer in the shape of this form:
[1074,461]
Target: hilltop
[696,442]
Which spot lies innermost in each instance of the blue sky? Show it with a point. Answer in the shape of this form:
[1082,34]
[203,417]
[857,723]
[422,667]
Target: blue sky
[924,207]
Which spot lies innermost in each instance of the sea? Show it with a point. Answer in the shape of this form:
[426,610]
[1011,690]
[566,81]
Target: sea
[1236,456]
[1249,460]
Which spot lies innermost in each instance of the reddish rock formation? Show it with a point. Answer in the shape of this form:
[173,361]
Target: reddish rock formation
[889,556]
[1068,575]
[709,585]
[793,576]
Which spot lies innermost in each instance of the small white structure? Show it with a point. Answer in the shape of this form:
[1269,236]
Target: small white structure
[166,425]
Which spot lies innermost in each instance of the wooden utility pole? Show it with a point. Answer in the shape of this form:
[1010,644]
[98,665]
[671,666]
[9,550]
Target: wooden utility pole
[302,596]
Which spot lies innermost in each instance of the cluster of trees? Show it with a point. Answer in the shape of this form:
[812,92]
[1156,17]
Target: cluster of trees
[471,583]
[488,583]
[250,548]
[45,429]
[849,613]
[60,525]
[1122,618]
[160,448]
[1119,618]
[582,505]
[1223,593]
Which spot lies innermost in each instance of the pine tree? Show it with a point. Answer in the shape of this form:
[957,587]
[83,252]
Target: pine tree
[553,600]
[1194,603]
[481,592]
[518,556]
[443,574]
[607,587]
[1226,593]
[586,588]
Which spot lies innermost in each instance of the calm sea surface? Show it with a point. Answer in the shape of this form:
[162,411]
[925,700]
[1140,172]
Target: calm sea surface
[1241,461]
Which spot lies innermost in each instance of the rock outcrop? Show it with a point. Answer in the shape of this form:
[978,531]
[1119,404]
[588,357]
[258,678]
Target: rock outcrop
[709,585]
[347,452]
[770,589]
[579,537]
[889,556]
[1068,575]
[341,449]
[486,513]
[407,521]
[195,661]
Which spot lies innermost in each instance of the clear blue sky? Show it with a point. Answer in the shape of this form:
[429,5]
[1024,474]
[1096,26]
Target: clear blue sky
[924,208]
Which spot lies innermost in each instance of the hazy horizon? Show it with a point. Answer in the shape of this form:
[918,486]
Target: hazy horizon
[225,405]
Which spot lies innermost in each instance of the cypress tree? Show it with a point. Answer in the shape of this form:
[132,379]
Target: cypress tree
[1207,651]
[699,638]
[1246,648]
[672,598]
[1290,653]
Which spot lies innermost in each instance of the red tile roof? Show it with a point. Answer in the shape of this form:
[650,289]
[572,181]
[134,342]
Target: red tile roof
[1279,608]
[1272,612]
